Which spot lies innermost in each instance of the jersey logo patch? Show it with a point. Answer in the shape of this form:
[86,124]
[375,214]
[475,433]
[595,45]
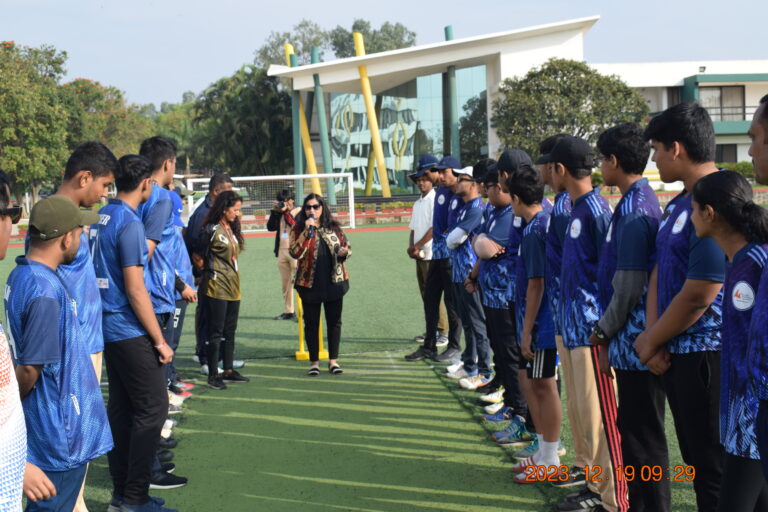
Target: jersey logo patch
[610,233]
[454,204]
[518,221]
[743,296]
[680,223]
[575,229]
[102,283]
[441,200]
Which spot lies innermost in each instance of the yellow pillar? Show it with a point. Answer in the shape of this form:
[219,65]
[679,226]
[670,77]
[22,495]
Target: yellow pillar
[373,121]
[306,142]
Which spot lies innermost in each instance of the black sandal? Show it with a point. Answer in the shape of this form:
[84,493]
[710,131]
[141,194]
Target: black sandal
[335,369]
[314,372]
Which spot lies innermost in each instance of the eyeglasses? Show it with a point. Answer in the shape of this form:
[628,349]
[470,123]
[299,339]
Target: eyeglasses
[14,212]
[312,206]
[462,180]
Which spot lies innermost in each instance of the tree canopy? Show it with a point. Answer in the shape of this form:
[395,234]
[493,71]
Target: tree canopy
[563,96]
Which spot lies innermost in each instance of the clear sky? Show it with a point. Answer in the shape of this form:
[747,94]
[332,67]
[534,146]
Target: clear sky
[155,50]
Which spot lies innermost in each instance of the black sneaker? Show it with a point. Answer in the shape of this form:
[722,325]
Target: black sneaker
[167,444]
[216,383]
[169,467]
[577,477]
[285,316]
[420,354]
[450,355]
[491,387]
[585,501]
[234,376]
[160,480]
[165,456]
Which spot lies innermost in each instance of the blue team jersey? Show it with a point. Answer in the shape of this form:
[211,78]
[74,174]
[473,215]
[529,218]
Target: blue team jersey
[495,273]
[183,262]
[681,255]
[758,341]
[630,244]
[117,241]
[531,263]
[579,306]
[469,218]
[443,197]
[512,253]
[157,215]
[558,224]
[66,421]
[738,403]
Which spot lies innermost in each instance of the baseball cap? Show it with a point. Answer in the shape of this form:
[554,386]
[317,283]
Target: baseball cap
[57,215]
[178,208]
[483,168]
[449,162]
[511,159]
[573,153]
[466,171]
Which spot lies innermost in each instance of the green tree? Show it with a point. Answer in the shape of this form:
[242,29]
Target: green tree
[32,118]
[244,124]
[563,96]
[176,121]
[304,35]
[473,129]
[388,37]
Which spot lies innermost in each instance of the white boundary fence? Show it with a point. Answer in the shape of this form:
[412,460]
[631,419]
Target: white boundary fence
[343,210]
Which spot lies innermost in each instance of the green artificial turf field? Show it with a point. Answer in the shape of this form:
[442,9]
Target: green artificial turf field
[385,436]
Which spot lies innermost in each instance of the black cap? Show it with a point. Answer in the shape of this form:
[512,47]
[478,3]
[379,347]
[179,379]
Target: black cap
[511,159]
[448,162]
[573,153]
[482,168]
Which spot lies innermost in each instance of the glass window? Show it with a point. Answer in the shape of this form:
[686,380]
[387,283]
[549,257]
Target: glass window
[723,103]
[725,153]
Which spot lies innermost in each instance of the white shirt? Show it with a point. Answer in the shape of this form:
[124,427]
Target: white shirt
[421,221]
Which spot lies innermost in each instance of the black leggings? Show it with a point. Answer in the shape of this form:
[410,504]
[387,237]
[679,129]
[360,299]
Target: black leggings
[221,318]
[333,325]
[743,487]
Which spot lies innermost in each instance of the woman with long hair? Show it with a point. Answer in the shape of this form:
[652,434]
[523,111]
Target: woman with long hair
[723,210]
[321,248]
[223,241]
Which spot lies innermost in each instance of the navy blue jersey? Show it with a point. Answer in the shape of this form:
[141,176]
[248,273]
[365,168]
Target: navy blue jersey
[558,224]
[157,216]
[66,421]
[681,255]
[738,403]
[630,244]
[117,241]
[758,341]
[183,262]
[469,218]
[195,227]
[579,307]
[495,273]
[443,197]
[531,264]
[512,253]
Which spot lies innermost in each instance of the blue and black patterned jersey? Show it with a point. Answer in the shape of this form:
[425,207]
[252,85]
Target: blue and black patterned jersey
[495,273]
[531,263]
[558,224]
[512,253]
[469,218]
[738,403]
[758,340]
[681,255]
[630,244]
[443,196]
[66,420]
[157,216]
[117,241]
[579,306]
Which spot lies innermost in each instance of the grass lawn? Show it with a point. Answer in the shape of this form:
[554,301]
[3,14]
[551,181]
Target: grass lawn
[385,436]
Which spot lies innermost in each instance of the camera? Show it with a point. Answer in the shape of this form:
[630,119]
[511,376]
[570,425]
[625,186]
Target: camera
[281,204]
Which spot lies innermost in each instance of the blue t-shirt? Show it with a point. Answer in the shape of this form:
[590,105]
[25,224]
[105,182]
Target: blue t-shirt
[558,224]
[681,255]
[579,306]
[495,273]
[469,218]
[512,254]
[443,196]
[183,261]
[630,244]
[66,420]
[532,264]
[738,403]
[117,241]
[159,275]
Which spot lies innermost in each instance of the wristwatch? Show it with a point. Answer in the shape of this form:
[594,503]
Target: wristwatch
[599,334]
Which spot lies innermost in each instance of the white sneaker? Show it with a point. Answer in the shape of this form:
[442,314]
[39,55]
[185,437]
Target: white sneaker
[493,408]
[442,340]
[196,359]
[175,399]
[455,366]
[458,374]
[495,398]
[473,382]
[169,424]
[166,433]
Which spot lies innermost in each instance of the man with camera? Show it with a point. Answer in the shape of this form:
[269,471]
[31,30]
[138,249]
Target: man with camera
[281,220]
